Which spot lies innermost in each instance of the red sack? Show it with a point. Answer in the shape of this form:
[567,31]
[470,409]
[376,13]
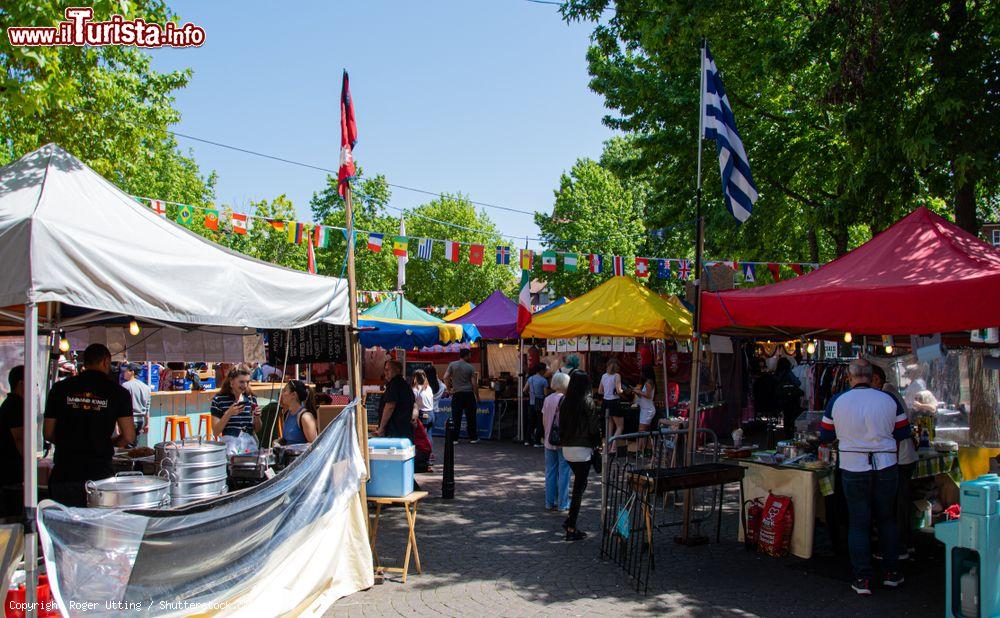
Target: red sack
[775,536]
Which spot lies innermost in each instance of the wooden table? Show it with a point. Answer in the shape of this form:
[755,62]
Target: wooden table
[409,504]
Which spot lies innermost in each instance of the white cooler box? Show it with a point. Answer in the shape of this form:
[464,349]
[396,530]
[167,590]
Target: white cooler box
[391,467]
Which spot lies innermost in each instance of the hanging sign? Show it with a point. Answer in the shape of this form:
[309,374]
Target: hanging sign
[318,343]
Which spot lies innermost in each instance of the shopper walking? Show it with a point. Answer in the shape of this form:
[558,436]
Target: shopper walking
[556,467]
[462,382]
[535,387]
[611,390]
[579,431]
[868,424]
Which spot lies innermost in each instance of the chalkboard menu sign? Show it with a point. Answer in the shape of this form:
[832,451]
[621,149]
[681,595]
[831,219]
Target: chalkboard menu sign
[413,366]
[372,403]
[319,343]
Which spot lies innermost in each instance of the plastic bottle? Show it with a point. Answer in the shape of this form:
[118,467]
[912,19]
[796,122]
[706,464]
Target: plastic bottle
[969,584]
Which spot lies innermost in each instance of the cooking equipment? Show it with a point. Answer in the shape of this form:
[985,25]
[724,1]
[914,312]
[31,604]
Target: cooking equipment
[251,466]
[196,468]
[128,490]
[290,452]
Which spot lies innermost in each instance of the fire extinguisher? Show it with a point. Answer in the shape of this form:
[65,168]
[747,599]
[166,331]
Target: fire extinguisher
[754,513]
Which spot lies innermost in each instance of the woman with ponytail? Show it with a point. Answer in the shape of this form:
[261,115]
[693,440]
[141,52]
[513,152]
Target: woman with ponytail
[298,416]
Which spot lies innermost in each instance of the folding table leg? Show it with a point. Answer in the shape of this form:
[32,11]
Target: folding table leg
[412,521]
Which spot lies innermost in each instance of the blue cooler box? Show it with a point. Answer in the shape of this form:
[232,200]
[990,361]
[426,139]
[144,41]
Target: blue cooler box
[391,467]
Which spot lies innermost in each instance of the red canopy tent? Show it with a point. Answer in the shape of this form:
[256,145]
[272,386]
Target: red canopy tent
[922,275]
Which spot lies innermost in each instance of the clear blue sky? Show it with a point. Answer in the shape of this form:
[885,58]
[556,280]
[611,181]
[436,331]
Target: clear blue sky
[486,97]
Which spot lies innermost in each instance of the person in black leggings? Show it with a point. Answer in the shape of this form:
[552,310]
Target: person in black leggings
[579,433]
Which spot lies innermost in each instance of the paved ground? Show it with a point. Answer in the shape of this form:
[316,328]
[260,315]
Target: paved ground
[494,551]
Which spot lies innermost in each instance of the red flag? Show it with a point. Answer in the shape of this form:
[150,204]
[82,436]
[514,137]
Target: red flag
[775,271]
[476,254]
[641,267]
[311,255]
[796,268]
[451,250]
[348,136]
[239,223]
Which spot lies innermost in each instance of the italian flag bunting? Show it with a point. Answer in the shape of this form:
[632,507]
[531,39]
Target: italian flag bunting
[524,301]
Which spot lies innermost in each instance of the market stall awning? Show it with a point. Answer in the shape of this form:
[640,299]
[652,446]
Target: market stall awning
[619,307]
[922,275]
[495,317]
[390,333]
[457,313]
[68,235]
[390,308]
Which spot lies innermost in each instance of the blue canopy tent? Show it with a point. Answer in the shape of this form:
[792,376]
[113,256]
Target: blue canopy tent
[390,333]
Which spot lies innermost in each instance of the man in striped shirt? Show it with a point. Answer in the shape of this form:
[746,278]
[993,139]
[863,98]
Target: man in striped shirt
[868,424]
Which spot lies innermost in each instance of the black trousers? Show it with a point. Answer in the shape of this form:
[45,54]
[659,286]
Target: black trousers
[581,469]
[464,402]
[533,428]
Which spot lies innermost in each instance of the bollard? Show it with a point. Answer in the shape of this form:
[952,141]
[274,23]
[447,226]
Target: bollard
[448,480]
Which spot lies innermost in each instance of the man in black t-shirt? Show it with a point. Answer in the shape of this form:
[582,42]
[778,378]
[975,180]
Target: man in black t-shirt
[397,409]
[81,414]
[12,442]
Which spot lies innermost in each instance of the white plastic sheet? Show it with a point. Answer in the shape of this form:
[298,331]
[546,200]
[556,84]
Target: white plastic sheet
[277,548]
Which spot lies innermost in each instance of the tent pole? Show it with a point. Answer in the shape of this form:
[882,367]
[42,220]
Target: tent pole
[520,390]
[666,381]
[30,455]
[696,323]
[354,348]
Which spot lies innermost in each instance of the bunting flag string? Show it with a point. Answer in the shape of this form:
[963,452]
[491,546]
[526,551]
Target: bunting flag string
[321,237]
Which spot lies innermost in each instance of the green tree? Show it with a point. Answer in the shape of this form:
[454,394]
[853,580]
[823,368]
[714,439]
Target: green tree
[594,213]
[848,111]
[262,241]
[106,105]
[438,281]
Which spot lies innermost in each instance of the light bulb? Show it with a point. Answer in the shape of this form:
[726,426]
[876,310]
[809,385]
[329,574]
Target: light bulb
[847,337]
[501,345]
[810,348]
[64,345]
[133,328]
[888,349]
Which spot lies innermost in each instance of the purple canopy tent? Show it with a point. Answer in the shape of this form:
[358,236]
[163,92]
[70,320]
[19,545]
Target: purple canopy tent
[495,317]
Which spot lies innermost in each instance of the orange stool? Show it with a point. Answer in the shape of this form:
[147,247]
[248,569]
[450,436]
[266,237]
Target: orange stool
[205,419]
[173,423]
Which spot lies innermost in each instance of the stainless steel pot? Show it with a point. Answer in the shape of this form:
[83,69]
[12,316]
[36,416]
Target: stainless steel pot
[128,490]
[189,498]
[192,451]
[193,472]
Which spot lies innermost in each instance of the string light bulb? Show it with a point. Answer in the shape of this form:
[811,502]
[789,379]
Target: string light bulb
[133,328]
[888,349]
[848,337]
[501,345]
[811,347]
[63,344]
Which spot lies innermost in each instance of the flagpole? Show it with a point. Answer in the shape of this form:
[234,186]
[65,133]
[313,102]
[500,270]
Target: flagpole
[692,432]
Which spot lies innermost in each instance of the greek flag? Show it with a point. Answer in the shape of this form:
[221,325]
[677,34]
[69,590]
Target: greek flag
[738,187]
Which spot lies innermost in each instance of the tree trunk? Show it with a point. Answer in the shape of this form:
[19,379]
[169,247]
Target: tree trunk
[965,206]
[840,240]
[813,238]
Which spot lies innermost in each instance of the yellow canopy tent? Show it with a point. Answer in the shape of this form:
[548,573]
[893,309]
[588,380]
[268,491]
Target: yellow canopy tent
[457,313]
[619,307]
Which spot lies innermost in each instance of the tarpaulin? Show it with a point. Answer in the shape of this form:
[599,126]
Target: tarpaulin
[457,313]
[70,236]
[921,275]
[619,307]
[294,543]
[390,308]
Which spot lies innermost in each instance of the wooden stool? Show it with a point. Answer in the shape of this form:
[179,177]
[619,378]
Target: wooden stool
[173,423]
[207,420]
[409,504]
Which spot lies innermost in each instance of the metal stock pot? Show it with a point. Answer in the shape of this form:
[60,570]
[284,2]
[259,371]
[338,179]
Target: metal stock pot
[191,452]
[128,490]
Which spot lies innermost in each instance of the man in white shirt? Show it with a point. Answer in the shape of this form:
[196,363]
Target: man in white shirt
[868,425]
[142,396]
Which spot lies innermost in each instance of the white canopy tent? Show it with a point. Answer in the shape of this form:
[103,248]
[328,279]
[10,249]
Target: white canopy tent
[68,237]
